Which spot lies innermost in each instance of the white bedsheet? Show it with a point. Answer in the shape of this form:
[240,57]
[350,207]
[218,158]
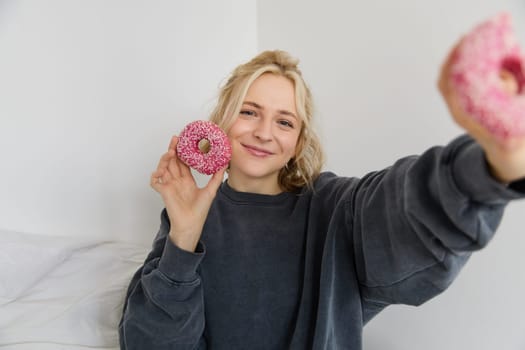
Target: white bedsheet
[63,292]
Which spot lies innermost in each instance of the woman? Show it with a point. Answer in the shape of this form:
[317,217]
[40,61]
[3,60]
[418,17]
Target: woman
[282,256]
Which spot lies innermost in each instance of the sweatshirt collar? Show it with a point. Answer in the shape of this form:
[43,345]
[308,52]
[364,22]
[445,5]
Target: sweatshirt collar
[252,198]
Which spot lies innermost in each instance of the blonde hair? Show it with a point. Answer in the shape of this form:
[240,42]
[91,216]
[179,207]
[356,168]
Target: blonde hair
[306,165]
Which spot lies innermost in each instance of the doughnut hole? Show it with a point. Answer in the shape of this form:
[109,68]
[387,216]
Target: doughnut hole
[512,77]
[204,145]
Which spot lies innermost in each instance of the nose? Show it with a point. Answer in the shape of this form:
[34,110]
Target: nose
[263,130]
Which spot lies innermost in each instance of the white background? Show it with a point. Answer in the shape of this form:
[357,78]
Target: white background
[91,91]
[90,94]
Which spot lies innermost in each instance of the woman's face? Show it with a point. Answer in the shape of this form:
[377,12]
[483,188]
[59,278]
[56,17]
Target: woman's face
[264,135]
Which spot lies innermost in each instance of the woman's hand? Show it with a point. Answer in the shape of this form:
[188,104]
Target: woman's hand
[187,204]
[506,157]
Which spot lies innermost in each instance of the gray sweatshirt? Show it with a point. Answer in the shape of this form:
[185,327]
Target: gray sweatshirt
[308,270]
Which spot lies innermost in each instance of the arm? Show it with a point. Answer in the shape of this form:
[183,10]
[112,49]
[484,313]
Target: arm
[164,306]
[438,209]
[416,223]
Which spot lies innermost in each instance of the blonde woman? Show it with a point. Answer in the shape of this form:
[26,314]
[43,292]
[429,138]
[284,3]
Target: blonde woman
[283,256]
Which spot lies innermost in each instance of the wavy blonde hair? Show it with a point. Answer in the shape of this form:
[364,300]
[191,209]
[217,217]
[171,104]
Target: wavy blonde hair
[308,160]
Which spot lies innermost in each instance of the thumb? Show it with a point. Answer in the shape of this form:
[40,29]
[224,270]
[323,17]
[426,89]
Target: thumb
[215,181]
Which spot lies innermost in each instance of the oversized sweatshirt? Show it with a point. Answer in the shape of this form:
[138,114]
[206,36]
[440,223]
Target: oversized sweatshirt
[308,270]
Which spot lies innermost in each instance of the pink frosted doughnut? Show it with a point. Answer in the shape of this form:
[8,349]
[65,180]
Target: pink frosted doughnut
[219,153]
[487,50]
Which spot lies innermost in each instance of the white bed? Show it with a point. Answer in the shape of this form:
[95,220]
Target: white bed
[63,292]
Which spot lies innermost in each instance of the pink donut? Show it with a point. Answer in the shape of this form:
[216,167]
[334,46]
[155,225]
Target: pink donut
[218,155]
[476,74]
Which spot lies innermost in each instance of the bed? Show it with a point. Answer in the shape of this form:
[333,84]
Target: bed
[63,292]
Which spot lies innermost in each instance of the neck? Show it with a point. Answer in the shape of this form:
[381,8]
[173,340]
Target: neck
[259,186]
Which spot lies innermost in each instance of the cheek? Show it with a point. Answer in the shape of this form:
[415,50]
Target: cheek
[291,145]
[239,127]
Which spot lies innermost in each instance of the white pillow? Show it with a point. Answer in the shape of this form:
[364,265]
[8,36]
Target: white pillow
[73,295]
[26,258]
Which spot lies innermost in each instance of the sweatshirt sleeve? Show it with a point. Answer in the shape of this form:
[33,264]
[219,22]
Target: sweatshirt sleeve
[415,224]
[164,307]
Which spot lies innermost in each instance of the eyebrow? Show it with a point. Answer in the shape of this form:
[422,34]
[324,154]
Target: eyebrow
[281,111]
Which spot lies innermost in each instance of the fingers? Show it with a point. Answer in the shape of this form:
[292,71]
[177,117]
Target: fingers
[444,78]
[173,143]
[167,168]
[448,91]
[170,167]
[456,109]
[156,180]
[445,74]
[170,161]
[177,166]
[215,181]
[166,159]
[170,154]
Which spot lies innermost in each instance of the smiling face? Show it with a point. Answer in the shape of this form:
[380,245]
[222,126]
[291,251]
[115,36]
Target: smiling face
[264,135]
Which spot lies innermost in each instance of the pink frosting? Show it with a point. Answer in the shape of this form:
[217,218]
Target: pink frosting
[484,52]
[188,147]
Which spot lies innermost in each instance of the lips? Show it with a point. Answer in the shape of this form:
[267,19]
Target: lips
[256,151]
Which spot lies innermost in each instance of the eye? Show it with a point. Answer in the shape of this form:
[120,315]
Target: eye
[248,112]
[286,123]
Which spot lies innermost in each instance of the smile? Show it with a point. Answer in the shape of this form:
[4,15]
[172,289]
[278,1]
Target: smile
[256,151]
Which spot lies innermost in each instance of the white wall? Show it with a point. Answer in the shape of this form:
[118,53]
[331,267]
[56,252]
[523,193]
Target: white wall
[90,94]
[372,66]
